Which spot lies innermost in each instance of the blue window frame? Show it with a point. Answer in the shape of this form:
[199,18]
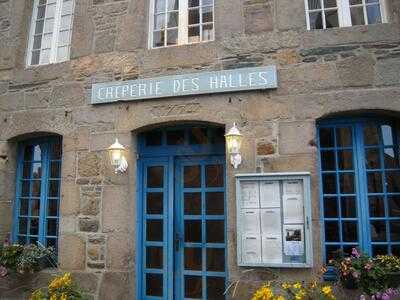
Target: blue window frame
[360,185]
[181,213]
[36,207]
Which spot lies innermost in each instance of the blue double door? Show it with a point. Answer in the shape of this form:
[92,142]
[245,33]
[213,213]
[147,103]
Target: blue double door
[182,227]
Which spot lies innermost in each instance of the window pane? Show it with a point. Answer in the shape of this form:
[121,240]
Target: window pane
[348,207]
[393,182]
[371,133]
[50,11]
[23,225]
[346,183]
[354,2]
[52,227]
[215,203]
[395,231]
[45,56]
[194,16]
[41,11]
[173,19]
[36,170]
[193,3]
[372,158]
[193,259]
[193,231]
[214,175]
[35,207]
[345,159]
[25,188]
[154,230]
[55,169]
[154,138]
[158,38]
[207,14]
[67,7]
[314,4]
[154,285]
[316,20]
[192,176]
[374,14]
[173,4]
[159,6]
[208,32]
[394,206]
[332,231]
[330,3]
[207,2]
[159,22]
[175,137]
[172,37]
[330,207]
[36,186]
[329,183]
[331,19]
[332,252]
[63,38]
[215,288]
[391,158]
[349,231]
[35,57]
[197,136]
[378,231]
[328,161]
[65,22]
[39,27]
[376,206]
[154,203]
[49,24]
[23,207]
[215,231]
[344,137]
[192,203]
[193,286]
[54,186]
[56,150]
[326,137]
[374,182]
[155,177]
[379,250]
[216,259]
[46,43]
[154,257]
[62,53]
[34,226]
[26,171]
[37,42]
[52,210]
[357,15]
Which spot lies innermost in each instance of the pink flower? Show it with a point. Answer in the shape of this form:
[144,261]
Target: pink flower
[362,297]
[6,242]
[368,266]
[355,253]
[3,271]
[385,297]
[355,274]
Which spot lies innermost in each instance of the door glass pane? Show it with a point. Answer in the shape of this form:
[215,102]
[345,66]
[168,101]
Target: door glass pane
[155,177]
[192,231]
[25,188]
[154,257]
[345,159]
[349,231]
[395,231]
[215,288]
[371,135]
[52,227]
[347,183]
[216,259]
[328,161]
[331,18]
[343,137]
[26,171]
[24,207]
[52,210]
[215,203]
[330,207]
[376,206]
[372,158]
[154,230]
[34,226]
[193,287]
[393,181]
[374,181]
[55,169]
[332,231]
[329,183]
[348,206]
[391,158]
[37,170]
[214,176]
[155,203]
[54,186]
[36,185]
[192,176]
[215,231]
[193,259]
[394,206]
[154,285]
[23,225]
[35,207]
[192,203]
[378,231]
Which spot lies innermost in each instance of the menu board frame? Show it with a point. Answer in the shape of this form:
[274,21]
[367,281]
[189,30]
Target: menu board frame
[298,228]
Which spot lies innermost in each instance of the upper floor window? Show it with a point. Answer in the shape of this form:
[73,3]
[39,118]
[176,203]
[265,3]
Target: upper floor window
[179,22]
[322,14]
[36,209]
[50,33]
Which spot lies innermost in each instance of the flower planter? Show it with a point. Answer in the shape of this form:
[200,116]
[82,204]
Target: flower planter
[393,279]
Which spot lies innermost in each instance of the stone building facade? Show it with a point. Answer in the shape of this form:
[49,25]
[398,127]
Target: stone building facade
[321,73]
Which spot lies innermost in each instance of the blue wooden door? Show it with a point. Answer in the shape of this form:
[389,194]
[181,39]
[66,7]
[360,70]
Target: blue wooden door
[181,215]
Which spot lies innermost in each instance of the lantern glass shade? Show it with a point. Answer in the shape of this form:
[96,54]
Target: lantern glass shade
[233,140]
[116,152]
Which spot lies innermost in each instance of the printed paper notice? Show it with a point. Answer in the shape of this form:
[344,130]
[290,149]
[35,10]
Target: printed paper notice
[271,222]
[251,221]
[293,240]
[251,249]
[293,209]
[270,194]
[250,194]
[271,249]
[292,187]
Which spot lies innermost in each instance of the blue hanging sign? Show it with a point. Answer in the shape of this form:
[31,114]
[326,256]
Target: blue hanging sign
[187,84]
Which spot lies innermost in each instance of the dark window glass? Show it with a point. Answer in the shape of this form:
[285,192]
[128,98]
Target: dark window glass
[154,285]
[36,170]
[349,231]
[192,203]
[193,286]
[379,250]
[329,183]
[331,19]
[371,134]
[23,225]
[396,250]
[155,177]
[26,171]
[36,187]
[192,231]
[332,252]
[192,176]
[215,203]
[332,231]
[395,231]
[215,231]
[391,158]
[56,151]
[394,206]
[214,175]
[154,138]
[35,207]
[347,183]
[198,136]
[193,259]
[393,182]
[55,169]
[330,207]
[372,158]
[154,230]
[344,137]
[215,288]
[175,137]
[328,161]
[52,209]
[326,137]
[34,226]
[376,206]
[155,203]
[216,259]
[52,227]
[345,159]
[154,257]
[348,206]
[316,20]
[54,186]
[374,182]
[23,207]
[378,231]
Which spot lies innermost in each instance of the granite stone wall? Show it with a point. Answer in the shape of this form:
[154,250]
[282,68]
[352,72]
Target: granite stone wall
[320,73]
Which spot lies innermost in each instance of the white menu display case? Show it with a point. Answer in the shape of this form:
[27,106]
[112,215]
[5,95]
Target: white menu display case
[274,220]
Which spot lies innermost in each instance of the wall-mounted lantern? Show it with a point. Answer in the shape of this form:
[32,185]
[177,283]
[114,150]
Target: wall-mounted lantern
[117,157]
[233,144]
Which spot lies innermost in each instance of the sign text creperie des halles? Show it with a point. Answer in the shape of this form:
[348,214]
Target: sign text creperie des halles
[187,84]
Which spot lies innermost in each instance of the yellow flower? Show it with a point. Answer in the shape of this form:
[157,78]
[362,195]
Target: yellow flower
[327,290]
[313,284]
[53,297]
[264,293]
[297,285]
[286,286]
[63,297]
[280,297]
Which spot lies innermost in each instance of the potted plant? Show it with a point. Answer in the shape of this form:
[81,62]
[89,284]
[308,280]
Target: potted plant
[391,265]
